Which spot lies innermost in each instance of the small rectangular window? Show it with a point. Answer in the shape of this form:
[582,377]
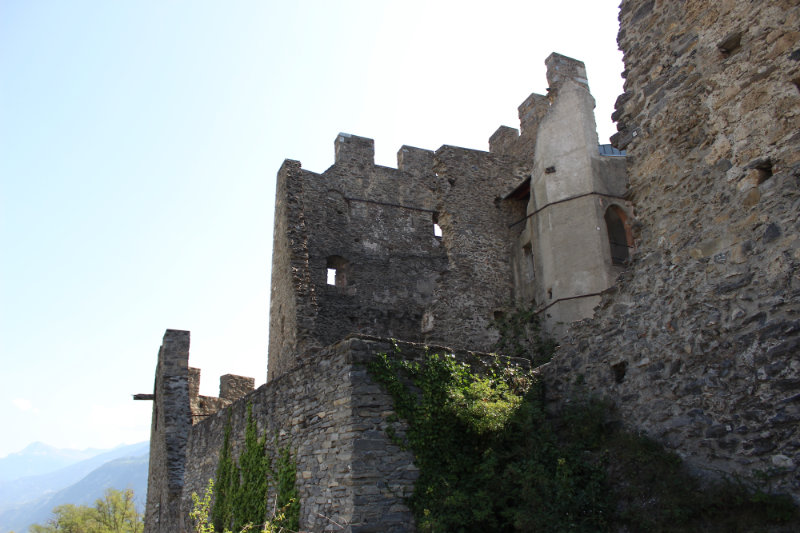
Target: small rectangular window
[331,276]
[528,258]
[437,230]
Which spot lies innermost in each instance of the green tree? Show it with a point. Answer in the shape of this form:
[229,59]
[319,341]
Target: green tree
[70,519]
[115,512]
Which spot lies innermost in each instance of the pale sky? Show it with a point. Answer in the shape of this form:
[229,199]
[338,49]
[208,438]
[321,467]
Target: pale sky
[139,143]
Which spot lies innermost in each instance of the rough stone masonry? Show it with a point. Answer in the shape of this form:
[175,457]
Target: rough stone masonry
[667,266]
[698,343]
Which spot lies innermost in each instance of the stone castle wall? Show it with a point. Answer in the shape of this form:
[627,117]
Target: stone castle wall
[168,434]
[331,414]
[375,226]
[698,342]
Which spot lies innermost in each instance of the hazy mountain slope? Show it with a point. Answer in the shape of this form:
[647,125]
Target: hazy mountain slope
[128,472]
[19,491]
[39,458]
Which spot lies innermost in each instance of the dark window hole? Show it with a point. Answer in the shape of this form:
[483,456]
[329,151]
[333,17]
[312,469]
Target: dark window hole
[730,43]
[619,371]
[764,169]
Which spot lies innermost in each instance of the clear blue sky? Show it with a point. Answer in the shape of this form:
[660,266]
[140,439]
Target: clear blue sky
[139,143]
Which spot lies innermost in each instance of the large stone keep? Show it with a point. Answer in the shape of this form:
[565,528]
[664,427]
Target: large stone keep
[674,293]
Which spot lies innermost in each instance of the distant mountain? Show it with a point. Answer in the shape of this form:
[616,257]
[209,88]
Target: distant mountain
[39,458]
[121,473]
[22,490]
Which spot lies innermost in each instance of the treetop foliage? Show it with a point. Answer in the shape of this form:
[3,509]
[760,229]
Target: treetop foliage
[115,512]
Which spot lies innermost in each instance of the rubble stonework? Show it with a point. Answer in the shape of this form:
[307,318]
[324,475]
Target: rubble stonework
[502,232]
[698,342]
[681,258]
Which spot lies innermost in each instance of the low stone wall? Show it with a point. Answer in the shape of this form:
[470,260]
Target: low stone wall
[350,476]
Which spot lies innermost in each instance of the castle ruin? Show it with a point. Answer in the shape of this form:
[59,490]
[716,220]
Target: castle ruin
[667,271]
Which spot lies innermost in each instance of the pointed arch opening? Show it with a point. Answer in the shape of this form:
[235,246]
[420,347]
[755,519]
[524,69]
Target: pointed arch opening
[620,240]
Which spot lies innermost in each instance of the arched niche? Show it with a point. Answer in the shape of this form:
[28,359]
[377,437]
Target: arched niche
[620,240]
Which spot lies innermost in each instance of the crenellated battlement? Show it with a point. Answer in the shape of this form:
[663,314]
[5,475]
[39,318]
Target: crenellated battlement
[415,160]
[562,68]
[354,150]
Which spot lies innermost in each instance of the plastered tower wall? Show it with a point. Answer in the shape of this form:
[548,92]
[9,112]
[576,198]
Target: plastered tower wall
[561,257]
[572,185]
[698,343]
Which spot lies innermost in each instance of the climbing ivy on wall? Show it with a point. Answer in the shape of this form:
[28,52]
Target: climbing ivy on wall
[243,486]
[227,479]
[485,452]
[521,335]
[491,459]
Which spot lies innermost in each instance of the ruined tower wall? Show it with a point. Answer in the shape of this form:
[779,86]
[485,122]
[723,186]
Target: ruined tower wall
[697,344]
[375,226]
[168,433]
[470,186]
[292,297]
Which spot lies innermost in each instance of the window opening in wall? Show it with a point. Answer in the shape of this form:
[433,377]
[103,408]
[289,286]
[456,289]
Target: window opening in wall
[619,370]
[337,268]
[437,230]
[619,238]
[764,168]
[527,252]
[730,43]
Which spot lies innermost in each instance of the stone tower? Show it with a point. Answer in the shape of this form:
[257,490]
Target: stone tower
[574,236]
[577,212]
